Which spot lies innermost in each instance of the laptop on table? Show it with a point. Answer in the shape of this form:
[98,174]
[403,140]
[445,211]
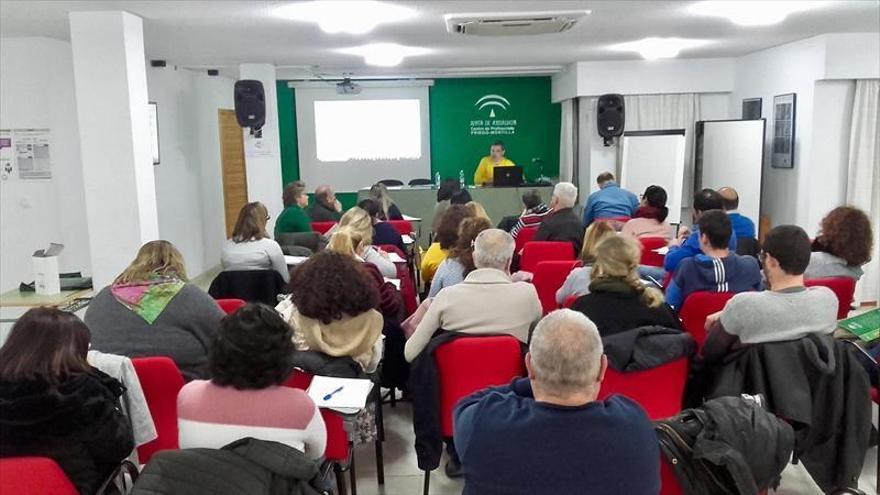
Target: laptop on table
[507,176]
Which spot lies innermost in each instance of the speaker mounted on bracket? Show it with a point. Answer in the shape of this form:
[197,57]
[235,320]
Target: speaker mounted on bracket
[610,117]
[250,105]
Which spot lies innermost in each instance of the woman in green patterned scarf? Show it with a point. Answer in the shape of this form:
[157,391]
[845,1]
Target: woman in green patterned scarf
[151,310]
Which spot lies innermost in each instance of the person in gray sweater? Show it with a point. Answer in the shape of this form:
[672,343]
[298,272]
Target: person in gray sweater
[151,310]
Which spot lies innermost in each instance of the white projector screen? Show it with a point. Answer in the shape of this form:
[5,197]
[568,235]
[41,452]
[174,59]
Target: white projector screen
[654,158]
[353,141]
[731,153]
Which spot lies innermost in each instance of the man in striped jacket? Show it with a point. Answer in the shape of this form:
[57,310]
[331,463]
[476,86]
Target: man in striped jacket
[716,269]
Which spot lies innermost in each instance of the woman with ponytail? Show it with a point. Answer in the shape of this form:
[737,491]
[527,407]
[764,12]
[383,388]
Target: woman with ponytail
[650,219]
[618,301]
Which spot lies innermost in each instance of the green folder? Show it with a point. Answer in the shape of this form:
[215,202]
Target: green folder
[866,325]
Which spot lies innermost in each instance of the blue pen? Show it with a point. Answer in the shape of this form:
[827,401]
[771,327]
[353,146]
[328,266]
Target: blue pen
[331,394]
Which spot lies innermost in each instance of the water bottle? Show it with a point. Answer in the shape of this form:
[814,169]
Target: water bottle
[461,178]
[437,179]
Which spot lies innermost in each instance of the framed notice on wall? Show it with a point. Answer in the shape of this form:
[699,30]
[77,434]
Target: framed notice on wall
[751,109]
[154,131]
[784,112]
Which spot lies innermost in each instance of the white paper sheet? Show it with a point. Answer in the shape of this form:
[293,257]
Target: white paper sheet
[294,260]
[662,251]
[351,399]
[395,258]
[407,239]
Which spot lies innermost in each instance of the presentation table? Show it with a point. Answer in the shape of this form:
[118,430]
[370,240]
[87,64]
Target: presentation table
[419,201]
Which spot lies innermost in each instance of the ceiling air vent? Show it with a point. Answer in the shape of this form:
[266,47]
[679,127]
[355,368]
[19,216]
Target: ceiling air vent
[513,23]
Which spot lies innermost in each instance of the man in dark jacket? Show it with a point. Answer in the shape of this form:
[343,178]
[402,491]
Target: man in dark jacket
[326,207]
[547,434]
[562,224]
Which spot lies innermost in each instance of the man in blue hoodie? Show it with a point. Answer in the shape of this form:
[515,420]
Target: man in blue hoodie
[716,268]
[688,243]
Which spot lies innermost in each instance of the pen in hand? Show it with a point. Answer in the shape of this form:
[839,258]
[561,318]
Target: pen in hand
[331,394]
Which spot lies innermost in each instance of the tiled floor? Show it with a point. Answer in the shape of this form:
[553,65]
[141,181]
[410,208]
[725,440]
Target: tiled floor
[402,475]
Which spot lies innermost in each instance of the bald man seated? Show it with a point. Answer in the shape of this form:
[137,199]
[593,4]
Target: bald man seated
[326,207]
[547,434]
[742,225]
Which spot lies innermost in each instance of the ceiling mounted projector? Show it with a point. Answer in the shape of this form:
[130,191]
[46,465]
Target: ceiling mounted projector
[346,87]
[513,23]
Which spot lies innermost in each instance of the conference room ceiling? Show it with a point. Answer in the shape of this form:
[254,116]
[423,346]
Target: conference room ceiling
[224,34]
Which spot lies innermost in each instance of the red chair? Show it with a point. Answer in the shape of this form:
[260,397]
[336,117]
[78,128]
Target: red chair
[526,234]
[614,219]
[468,364]
[407,281]
[843,288]
[549,277]
[402,226]
[230,306]
[669,484]
[649,244]
[34,476]
[322,227]
[697,307]
[658,390]
[161,381]
[536,251]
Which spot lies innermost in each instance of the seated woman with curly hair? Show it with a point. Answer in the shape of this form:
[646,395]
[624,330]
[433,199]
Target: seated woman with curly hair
[332,309]
[249,362]
[844,244]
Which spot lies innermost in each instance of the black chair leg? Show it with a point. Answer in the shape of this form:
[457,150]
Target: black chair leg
[393,397]
[340,479]
[351,473]
[380,463]
[427,488]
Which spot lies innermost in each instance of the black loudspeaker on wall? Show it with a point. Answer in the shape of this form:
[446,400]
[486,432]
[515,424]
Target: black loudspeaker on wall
[250,104]
[610,117]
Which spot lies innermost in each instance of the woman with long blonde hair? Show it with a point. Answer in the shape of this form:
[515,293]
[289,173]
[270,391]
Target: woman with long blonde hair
[152,310]
[578,281]
[387,209]
[250,247]
[359,225]
[618,300]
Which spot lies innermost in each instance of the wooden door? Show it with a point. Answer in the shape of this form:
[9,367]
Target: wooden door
[235,194]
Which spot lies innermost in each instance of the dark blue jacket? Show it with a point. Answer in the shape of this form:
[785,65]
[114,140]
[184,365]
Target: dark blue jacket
[385,233]
[691,248]
[510,444]
[734,273]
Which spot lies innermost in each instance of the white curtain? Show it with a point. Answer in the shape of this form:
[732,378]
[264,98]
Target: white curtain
[863,184]
[566,142]
[643,113]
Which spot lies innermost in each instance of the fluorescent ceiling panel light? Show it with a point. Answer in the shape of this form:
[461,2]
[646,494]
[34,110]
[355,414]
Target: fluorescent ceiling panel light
[345,16]
[654,48]
[754,12]
[384,54]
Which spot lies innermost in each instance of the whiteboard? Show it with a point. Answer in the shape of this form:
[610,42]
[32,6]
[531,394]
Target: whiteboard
[731,153]
[654,158]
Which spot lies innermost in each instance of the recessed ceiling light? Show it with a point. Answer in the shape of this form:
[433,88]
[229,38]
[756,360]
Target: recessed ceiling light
[654,48]
[754,12]
[345,16]
[384,54]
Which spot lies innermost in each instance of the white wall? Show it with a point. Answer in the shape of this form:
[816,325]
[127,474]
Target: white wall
[189,186]
[641,77]
[37,91]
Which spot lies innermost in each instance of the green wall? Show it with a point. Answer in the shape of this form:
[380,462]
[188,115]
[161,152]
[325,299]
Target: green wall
[461,132]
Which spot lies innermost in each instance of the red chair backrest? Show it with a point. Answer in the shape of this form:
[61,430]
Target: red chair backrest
[549,277]
[526,234]
[161,381]
[468,364]
[697,307]
[658,390]
[230,306]
[536,251]
[614,219]
[322,227]
[402,226]
[34,476]
[649,244]
[337,439]
[669,484]
[843,288]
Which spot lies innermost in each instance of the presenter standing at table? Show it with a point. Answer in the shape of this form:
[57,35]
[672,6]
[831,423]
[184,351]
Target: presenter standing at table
[485,171]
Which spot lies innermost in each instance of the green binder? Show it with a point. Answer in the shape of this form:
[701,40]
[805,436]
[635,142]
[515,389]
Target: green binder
[866,325]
